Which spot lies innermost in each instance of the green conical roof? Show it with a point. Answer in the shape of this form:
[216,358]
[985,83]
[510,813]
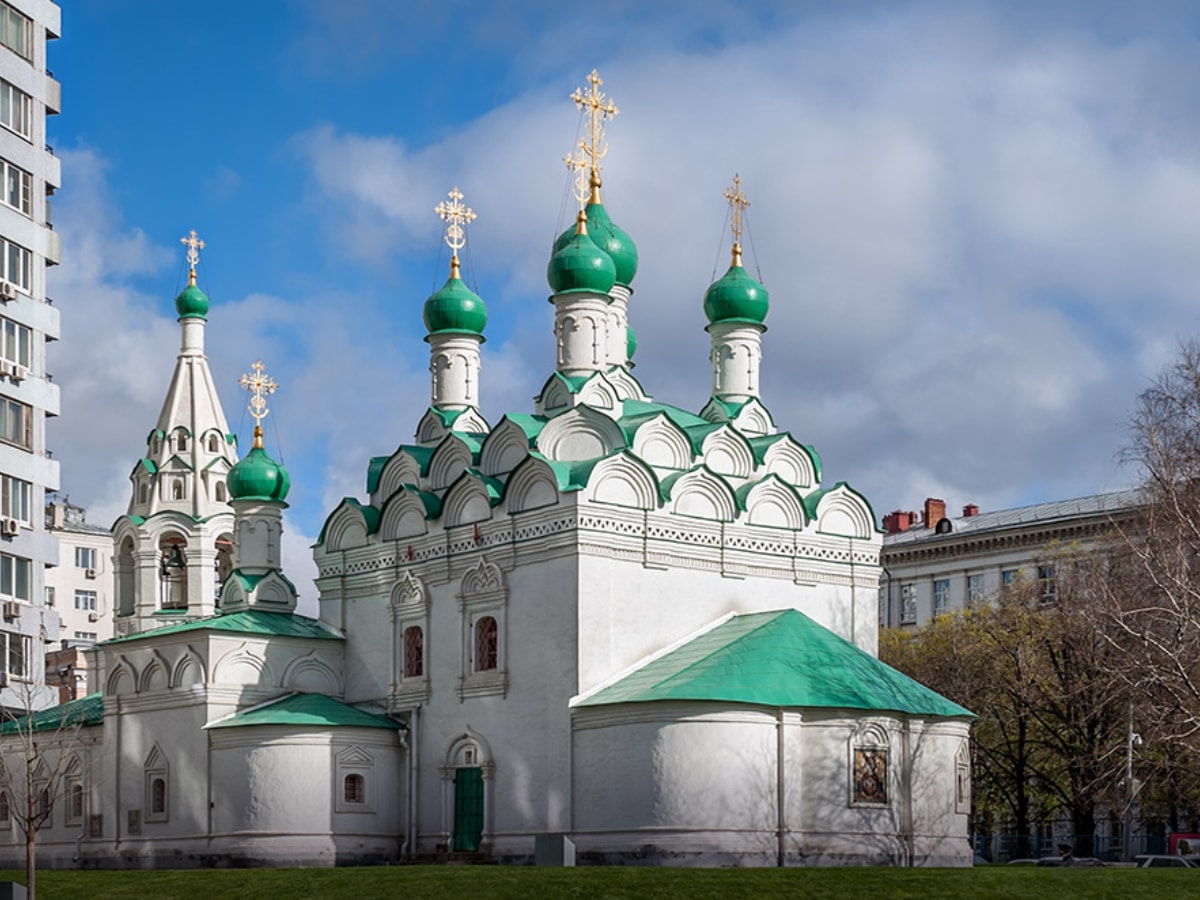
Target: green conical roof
[580,265]
[455,307]
[736,297]
[192,303]
[258,477]
[611,239]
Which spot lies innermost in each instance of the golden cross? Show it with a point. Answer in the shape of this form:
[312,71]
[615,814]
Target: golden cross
[194,245]
[577,164]
[455,214]
[738,203]
[259,385]
[599,108]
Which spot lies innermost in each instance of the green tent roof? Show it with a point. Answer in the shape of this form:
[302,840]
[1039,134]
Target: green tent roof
[783,659]
[307,710]
[251,621]
[87,710]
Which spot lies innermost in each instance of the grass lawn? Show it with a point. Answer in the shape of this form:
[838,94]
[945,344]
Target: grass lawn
[524,883]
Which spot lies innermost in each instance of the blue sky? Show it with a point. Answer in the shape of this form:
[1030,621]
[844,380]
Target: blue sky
[977,221]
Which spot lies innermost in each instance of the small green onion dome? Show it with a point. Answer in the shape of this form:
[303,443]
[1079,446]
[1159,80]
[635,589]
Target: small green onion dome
[258,477]
[736,297]
[580,265]
[192,303]
[611,239]
[630,342]
[455,307]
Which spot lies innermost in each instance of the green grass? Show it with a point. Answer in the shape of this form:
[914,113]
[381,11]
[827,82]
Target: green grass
[600,883]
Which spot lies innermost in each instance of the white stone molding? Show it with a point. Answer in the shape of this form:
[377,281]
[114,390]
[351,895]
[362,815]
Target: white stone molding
[663,444]
[555,396]
[580,434]
[962,779]
[454,370]
[466,501]
[242,665]
[736,356]
[346,528]
[618,326]
[312,675]
[354,761]
[449,460]
[702,494]
[409,606]
[122,679]
[154,768]
[773,502]
[532,485]
[483,593]
[188,662]
[791,461]
[400,469]
[467,751]
[843,511]
[627,387]
[155,675]
[404,516]
[623,480]
[504,449]
[871,735]
[727,452]
[581,332]
[754,419]
[599,393]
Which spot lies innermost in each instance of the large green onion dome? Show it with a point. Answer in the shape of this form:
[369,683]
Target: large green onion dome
[580,265]
[735,296]
[455,307]
[258,477]
[611,239]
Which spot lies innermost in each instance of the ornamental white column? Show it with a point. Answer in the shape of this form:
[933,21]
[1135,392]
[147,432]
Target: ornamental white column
[454,364]
[736,357]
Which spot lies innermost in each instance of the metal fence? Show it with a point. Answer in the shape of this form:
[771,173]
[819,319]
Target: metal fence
[1002,848]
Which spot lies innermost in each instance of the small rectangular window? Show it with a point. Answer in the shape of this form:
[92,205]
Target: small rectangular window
[15,499]
[15,107]
[15,574]
[17,191]
[15,422]
[908,603]
[1009,576]
[85,600]
[941,595]
[975,588]
[85,557]
[1048,583]
[16,31]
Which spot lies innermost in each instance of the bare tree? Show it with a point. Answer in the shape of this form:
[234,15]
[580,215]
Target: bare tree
[43,764]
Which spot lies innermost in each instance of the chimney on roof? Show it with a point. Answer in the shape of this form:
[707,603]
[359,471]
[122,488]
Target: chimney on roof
[970,510]
[898,521]
[935,511]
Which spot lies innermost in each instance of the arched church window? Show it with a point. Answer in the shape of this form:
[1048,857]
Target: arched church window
[181,442]
[177,489]
[414,652]
[158,796]
[5,811]
[220,492]
[143,492]
[486,644]
[172,573]
[75,811]
[214,444]
[354,789]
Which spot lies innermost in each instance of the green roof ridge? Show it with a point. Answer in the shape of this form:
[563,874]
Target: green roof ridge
[302,709]
[249,621]
[87,710]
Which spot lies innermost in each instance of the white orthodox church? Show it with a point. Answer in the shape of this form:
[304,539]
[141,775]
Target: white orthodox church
[608,629]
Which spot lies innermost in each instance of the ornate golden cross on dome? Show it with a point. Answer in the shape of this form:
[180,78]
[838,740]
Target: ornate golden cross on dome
[260,384]
[577,165]
[456,215]
[599,108]
[737,203]
[194,245]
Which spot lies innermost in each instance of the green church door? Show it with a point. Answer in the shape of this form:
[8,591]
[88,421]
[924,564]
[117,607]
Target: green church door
[468,809]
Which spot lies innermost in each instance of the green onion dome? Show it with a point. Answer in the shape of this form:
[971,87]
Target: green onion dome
[611,239]
[192,303]
[580,265]
[258,477]
[735,296]
[455,307]
[630,342]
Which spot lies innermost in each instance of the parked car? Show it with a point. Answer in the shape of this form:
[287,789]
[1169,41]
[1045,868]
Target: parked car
[1071,862]
[1162,861]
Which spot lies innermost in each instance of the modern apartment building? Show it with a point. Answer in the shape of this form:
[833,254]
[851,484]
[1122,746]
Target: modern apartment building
[29,174]
[80,588]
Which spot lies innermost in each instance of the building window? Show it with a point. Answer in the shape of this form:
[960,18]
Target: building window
[486,642]
[85,635]
[74,814]
[214,444]
[941,595]
[869,766]
[1047,583]
[16,263]
[15,574]
[414,652]
[50,596]
[16,499]
[908,603]
[16,183]
[44,804]
[16,343]
[354,790]
[5,811]
[85,557]
[962,780]
[1009,576]
[156,795]
[220,492]
[883,598]
[16,31]
[15,106]
[975,588]
[85,600]
[14,423]
[18,650]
